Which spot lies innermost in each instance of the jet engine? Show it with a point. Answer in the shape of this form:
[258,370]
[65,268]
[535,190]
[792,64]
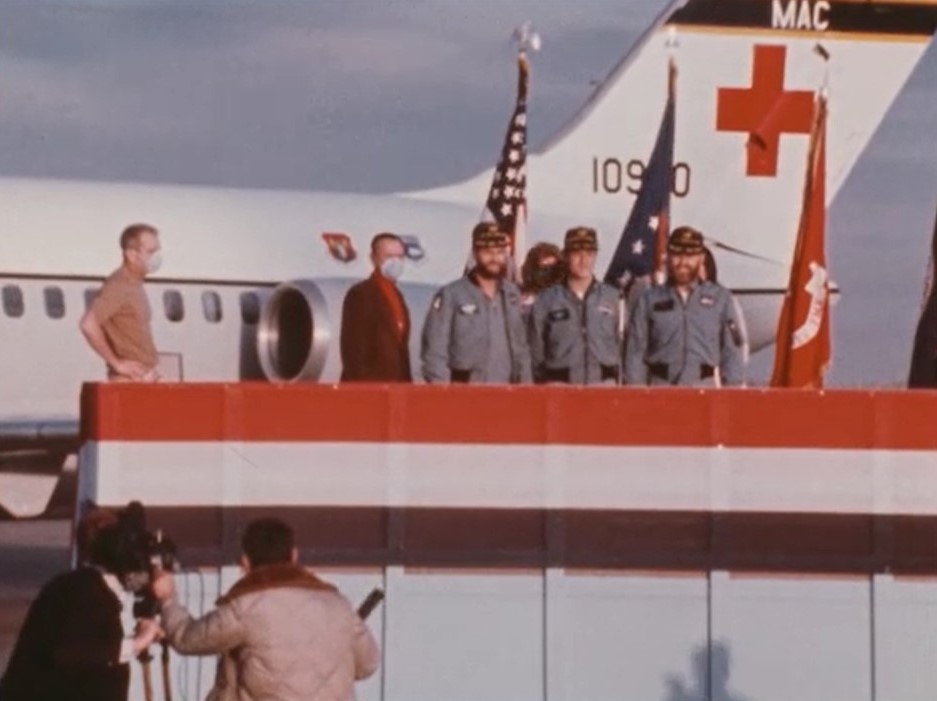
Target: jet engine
[294,333]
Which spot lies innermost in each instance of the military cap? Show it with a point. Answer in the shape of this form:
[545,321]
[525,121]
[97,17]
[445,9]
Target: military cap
[581,238]
[488,235]
[685,240]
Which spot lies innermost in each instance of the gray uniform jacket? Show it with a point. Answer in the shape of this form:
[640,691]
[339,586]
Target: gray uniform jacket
[577,341]
[672,342]
[456,343]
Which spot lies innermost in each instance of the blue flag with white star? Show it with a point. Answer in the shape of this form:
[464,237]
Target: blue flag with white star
[642,247]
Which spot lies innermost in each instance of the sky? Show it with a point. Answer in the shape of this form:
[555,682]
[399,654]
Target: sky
[396,95]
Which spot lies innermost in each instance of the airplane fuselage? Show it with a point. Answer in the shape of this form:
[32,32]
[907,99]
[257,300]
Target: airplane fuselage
[226,252]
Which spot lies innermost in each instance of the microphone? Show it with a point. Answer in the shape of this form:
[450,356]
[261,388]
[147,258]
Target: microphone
[370,603]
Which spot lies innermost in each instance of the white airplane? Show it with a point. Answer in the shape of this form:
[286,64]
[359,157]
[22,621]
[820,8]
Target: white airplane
[253,281]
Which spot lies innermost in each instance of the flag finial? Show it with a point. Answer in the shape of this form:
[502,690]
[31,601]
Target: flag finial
[824,53]
[672,42]
[526,38]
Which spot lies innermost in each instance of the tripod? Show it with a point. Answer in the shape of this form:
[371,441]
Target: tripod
[146,659]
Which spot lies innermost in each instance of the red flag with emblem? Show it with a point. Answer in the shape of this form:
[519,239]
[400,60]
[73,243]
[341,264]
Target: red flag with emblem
[802,352]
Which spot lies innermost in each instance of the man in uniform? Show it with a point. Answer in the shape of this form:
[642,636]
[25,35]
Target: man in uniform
[117,325]
[687,331]
[474,331]
[575,326]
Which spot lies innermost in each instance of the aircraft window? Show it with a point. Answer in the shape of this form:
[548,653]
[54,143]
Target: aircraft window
[211,306]
[90,294]
[250,308]
[173,306]
[13,301]
[55,302]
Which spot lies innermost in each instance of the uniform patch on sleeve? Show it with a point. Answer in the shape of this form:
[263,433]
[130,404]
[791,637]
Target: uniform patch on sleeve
[735,332]
[437,302]
[558,315]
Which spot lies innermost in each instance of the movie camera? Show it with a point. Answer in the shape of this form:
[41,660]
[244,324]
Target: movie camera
[139,556]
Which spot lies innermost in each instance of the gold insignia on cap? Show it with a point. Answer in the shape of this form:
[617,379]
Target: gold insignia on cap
[581,238]
[685,240]
[488,235]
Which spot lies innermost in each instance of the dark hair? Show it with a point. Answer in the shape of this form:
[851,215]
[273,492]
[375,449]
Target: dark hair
[384,236]
[131,236]
[95,537]
[267,541]
[539,251]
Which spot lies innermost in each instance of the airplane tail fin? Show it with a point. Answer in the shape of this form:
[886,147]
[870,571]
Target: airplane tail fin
[748,74]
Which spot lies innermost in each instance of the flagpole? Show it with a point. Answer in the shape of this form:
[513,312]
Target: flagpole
[663,223]
[527,39]
[821,51]
[519,235]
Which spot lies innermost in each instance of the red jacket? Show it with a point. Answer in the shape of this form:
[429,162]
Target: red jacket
[373,350]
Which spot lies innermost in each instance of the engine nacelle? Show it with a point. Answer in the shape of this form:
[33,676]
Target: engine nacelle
[294,333]
[299,331]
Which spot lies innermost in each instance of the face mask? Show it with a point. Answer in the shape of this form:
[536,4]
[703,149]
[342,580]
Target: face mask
[392,268]
[154,262]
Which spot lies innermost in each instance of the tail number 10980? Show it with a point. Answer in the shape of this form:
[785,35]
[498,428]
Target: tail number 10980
[610,175]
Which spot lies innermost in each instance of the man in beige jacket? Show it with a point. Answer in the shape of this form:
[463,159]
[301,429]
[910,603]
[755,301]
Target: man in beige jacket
[282,632]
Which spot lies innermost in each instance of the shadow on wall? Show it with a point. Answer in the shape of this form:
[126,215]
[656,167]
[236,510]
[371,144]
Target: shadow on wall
[701,687]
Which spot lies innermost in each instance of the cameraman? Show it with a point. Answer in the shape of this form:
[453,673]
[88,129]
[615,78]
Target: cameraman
[282,632]
[72,643]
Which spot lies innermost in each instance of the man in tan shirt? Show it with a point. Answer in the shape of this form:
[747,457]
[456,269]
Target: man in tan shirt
[117,324]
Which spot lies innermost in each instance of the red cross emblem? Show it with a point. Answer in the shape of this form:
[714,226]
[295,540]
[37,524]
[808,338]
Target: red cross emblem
[765,110]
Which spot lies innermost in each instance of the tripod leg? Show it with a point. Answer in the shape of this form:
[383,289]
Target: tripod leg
[147,678]
[167,682]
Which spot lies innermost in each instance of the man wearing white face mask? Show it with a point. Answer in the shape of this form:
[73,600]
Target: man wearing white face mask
[375,320]
[117,324]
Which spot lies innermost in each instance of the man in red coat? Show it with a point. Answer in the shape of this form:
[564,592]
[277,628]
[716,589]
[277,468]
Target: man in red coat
[375,320]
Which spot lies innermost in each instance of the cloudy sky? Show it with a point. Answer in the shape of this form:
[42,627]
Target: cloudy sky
[385,95]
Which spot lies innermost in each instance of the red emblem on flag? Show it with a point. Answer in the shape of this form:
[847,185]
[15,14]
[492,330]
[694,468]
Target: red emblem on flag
[803,343]
[765,110]
[340,246]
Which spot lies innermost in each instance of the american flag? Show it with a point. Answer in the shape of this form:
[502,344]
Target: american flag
[507,199]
